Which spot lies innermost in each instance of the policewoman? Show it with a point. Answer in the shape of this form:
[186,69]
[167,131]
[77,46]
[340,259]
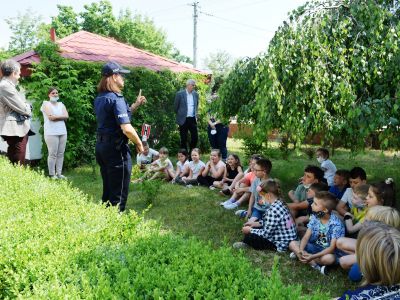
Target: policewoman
[114,130]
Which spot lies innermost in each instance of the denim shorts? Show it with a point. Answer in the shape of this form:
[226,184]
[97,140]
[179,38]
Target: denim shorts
[314,248]
[256,213]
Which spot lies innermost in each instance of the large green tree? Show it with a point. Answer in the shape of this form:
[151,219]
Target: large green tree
[332,69]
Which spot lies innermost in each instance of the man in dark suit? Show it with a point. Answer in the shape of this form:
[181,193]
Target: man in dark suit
[186,109]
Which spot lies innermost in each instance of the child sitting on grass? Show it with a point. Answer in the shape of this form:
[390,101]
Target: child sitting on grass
[327,165]
[161,168]
[357,177]
[147,156]
[354,219]
[276,228]
[233,168]
[384,214]
[302,221]
[318,246]
[213,171]
[375,195]
[340,183]
[182,167]
[256,209]
[311,175]
[196,166]
[241,192]
[378,255]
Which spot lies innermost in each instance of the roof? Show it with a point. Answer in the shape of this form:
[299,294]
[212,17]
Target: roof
[86,46]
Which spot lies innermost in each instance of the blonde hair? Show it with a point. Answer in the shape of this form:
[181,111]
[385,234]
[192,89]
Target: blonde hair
[384,214]
[378,254]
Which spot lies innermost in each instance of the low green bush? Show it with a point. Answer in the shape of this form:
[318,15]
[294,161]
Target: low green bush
[57,244]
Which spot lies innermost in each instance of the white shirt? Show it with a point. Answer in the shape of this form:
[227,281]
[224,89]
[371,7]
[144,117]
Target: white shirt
[348,197]
[182,166]
[190,104]
[329,171]
[54,127]
[146,159]
[196,168]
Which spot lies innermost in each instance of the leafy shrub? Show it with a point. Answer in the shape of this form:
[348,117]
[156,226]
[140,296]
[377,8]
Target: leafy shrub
[77,82]
[57,244]
[150,188]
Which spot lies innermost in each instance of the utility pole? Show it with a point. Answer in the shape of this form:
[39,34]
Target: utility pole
[195,16]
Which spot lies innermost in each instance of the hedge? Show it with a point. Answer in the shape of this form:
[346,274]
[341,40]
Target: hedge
[56,243]
[77,82]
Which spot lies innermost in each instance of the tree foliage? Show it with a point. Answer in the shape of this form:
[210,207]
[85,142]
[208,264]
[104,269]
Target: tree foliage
[332,69]
[220,63]
[26,31]
[134,29]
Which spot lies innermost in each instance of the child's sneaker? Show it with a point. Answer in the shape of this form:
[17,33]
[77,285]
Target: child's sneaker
[189,186]
[227,202]
[242,213]
[230,206]
[292,255]
[212,188]
[322,269]
[240,245]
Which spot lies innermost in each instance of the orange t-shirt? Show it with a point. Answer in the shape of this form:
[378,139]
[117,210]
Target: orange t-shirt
[249,178]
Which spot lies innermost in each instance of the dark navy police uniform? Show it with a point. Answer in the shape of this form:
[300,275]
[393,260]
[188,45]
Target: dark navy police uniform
[112,151]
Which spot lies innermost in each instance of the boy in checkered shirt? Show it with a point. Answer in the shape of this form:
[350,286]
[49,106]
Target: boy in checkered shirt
[276,229]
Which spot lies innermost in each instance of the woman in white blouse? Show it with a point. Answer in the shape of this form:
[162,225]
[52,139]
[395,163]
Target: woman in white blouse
[55,132]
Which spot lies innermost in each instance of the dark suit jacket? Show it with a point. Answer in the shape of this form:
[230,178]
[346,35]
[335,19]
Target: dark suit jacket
[180,105]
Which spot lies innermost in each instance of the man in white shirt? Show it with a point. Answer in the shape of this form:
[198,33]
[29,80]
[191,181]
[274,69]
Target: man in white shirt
[186,109]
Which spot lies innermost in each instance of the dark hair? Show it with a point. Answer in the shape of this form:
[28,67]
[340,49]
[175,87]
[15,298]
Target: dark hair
[385,192]
[184,152]
[319,187]
[266,164]
[255,157]
[51,89]
[237,158]
[163,150]
[145,144]
[358,172]
[272,186]
[316,171]
[344,173]
[328,199]
[324,151]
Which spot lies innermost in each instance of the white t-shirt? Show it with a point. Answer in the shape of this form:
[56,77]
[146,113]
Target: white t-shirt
[348,197]
[329,171]
[166,163]
[54,127]
[182,166]
[146,159]
[196,168]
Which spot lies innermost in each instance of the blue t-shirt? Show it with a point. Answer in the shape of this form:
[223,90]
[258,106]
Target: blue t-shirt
[334,230]
[337,192]
[111,110]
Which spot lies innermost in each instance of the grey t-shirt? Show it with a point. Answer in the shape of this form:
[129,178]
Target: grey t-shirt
[253,190]
[196,168]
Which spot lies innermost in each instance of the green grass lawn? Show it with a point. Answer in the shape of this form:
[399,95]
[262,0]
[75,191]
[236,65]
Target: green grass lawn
[196,212]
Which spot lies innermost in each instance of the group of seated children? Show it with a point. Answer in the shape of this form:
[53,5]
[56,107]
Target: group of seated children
[335,217]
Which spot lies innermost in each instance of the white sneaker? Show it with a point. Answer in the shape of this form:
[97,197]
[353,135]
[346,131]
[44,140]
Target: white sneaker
[61,177]
[53,177]
[240,245]
[189,186]
[292,255]
[241,213]
[231,206]
[225,202]
[212,188]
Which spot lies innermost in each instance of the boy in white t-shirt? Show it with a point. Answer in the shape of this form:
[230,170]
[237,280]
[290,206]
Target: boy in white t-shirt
[327,165]
[357,177]
[159,169]
[147,156]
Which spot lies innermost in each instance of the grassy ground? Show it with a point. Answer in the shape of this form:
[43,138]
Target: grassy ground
[196,212]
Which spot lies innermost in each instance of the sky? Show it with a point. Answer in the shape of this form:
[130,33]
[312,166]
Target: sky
[240,27]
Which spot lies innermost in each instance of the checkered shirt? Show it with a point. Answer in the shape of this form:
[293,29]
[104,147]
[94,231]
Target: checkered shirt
[278,226]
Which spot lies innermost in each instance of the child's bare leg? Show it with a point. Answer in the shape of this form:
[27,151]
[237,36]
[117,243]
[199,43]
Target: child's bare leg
[326,260]
[347,245]
[243,198]
[347,261]
[218,184]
